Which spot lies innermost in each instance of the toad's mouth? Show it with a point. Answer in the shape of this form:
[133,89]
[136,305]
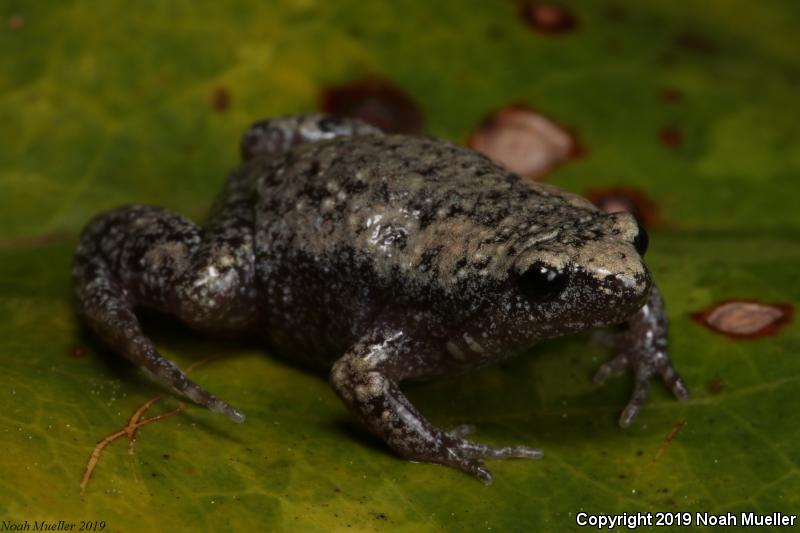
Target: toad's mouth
[606,300]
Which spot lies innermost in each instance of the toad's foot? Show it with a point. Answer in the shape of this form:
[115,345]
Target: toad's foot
[488,452]
[645,364]
[366,380]
[466,455]
[642,349]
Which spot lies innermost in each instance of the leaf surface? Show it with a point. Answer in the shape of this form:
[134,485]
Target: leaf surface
[104,103]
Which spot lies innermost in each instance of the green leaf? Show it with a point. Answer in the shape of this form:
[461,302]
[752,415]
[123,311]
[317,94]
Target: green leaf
[103,103]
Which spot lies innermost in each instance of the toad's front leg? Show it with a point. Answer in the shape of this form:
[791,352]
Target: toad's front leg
[366,379]
[642,349]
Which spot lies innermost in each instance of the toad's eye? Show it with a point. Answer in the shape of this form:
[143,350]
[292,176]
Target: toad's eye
[641,240]
[542,283]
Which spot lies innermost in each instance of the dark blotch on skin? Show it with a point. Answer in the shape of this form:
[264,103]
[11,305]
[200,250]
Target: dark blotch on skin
[670,137]
[745,319]
[635,202]
[547,17]
[377,102]
[220,99]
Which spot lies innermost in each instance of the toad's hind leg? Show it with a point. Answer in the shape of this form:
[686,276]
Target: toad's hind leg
[279,134]
[366,379]
[146,256]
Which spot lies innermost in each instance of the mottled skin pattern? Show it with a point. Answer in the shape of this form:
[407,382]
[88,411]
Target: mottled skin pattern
[385,258]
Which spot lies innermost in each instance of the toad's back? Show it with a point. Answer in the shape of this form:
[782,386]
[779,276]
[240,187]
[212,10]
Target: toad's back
[414,204]
[353,222]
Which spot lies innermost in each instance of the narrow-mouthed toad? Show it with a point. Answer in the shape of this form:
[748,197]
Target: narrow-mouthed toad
[384,258]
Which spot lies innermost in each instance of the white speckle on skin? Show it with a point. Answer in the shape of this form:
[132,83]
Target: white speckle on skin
[210,273]
[473,344]
[363,393]
[455,351]
[328,204]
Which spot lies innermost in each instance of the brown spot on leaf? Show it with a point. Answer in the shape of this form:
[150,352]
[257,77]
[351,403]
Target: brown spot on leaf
[670,137]
[220,99]
[547,17]
[616,199]
[78,352]
[671,95]
[377,102]
[34,241]
[16,22]
[715,387]
[695,42]
[745,319]
[525,142]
